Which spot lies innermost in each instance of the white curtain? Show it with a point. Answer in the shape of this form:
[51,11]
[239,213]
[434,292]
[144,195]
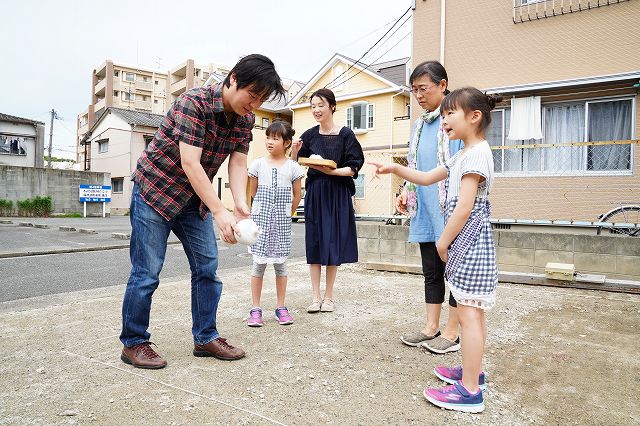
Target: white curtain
[526,121]
[609,121]
[564,123]
[522,159]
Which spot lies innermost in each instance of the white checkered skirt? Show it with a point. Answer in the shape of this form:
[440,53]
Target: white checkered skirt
[471,270]
[272,213]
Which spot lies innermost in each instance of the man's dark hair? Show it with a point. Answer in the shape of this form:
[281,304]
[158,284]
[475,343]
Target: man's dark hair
[258,73]
[434,70]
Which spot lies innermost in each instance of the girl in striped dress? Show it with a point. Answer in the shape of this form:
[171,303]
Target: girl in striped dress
[466,243]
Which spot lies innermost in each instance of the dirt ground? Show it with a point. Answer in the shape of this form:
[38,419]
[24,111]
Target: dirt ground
[554,356]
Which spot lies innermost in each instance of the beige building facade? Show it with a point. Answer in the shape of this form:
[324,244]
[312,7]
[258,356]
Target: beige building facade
[580,61]
[188,75]
[121,86]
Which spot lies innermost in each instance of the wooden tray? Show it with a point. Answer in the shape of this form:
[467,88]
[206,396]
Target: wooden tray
[316,162]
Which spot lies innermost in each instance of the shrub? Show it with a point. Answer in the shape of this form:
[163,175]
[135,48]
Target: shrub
[6,207]
[38,206]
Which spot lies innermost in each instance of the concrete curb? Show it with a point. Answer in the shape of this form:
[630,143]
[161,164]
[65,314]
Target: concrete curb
[69,250]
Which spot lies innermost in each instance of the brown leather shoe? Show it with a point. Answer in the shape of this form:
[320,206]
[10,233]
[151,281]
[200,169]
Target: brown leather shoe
[142,356]
[220,349]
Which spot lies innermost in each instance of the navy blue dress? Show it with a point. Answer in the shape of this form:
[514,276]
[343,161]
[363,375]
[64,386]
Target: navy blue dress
[330,223]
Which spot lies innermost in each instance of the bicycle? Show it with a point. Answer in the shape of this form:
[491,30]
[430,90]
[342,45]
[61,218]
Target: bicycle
[624,219]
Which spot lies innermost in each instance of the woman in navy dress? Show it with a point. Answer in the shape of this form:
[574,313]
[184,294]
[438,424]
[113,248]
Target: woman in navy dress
[330,224]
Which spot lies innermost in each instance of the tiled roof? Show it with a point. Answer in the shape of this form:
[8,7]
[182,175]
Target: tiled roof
[138,118]
[14,119]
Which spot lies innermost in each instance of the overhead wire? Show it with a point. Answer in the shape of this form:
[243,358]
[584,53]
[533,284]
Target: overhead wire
[368,50]
[366,67]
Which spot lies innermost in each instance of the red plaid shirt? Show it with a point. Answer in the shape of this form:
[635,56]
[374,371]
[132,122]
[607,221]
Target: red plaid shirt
[196,118]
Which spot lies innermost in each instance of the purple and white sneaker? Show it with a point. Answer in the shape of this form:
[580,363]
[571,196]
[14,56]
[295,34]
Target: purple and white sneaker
[283,316]
[456,397]
[255,318]
[453,374]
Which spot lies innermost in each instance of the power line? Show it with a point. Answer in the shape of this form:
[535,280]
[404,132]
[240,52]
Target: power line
[405,36]
[331,85]
[388,39]
[366,35]
[368,50]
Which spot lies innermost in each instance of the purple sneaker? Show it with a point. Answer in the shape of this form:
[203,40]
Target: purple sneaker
[283,316]
[255,318]
[453,374]
[455,397]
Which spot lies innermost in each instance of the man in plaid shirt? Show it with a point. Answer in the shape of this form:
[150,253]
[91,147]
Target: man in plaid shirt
[173,192]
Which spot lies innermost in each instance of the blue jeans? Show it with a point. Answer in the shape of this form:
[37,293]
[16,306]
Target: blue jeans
[149,234]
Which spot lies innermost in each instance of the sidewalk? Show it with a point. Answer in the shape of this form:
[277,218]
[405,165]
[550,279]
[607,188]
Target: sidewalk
[48,238]
[555,356]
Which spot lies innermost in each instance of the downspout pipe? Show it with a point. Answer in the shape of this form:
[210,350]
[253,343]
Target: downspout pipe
[443,7]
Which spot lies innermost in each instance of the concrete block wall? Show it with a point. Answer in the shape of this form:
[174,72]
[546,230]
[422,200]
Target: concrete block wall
[616,257]
[20,183]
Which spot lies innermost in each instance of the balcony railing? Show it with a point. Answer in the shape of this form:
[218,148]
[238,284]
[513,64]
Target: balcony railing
[179,87]
[531,10]
[141,85]
[146,105]
[99,90]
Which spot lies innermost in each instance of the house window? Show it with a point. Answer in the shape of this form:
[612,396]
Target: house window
[128,96]
[117,185]
[103,145]
[360,116]
[359,181]
[115,93]
[567,122]
[265,122]
[12,145]
[129,76]
[116,73]
[155,101]
[156,82]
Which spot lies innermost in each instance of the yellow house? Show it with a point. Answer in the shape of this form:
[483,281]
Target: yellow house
[373,100]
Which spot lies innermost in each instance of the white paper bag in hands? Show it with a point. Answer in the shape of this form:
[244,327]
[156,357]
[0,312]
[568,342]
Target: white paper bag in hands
[247,232]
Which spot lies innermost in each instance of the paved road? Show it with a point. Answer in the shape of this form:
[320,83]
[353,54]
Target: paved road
[29,276]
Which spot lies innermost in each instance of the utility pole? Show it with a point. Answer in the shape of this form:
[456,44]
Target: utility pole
[54,115]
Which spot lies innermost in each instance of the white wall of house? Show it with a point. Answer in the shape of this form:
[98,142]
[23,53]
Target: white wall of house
[25,136]
[125,144]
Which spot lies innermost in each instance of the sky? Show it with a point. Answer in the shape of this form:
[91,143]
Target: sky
[50,48]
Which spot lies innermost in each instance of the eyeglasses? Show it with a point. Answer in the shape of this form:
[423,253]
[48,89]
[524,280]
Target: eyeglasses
[422,89]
